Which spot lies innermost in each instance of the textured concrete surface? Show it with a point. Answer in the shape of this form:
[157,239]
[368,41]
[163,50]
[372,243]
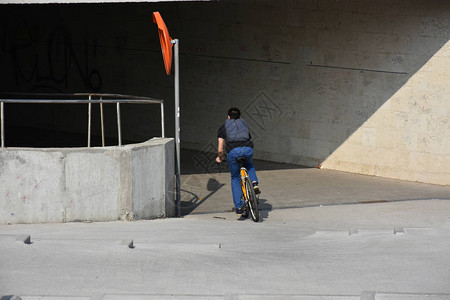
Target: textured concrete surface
[87,184]
[297,253]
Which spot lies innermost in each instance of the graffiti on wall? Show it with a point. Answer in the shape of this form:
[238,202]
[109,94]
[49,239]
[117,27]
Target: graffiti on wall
[50,61]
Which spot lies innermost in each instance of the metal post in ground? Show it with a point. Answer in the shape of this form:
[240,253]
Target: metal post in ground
[177,125]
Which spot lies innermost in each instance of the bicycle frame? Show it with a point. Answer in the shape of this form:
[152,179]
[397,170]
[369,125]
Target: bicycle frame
[251,202]
[243,176]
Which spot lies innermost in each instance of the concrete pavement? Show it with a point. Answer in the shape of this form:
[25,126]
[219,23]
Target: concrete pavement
[395,250]
[338,242]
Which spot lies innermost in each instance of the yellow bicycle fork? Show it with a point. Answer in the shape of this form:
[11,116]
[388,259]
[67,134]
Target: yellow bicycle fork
[243,176]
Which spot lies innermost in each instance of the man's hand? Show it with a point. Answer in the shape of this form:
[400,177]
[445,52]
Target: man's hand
[220,147]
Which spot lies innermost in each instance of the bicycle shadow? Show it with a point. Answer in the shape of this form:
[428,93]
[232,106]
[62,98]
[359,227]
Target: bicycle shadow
[189,205]
[264,209]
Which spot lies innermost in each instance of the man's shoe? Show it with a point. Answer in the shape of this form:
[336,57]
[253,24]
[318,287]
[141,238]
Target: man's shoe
[256,188]
[241,210]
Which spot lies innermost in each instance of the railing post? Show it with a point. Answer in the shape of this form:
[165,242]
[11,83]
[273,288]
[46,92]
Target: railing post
[89,122]
[101,118]
[2,126]
[119,131]
[162,120]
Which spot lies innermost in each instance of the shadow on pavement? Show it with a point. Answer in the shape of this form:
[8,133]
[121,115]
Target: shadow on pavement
[190,203]
[264,209]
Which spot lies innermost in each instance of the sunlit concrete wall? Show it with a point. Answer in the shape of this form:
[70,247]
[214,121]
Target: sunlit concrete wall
[408,137]
[359,85]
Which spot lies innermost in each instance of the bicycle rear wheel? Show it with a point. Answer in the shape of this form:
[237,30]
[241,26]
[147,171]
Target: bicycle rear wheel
[252,203]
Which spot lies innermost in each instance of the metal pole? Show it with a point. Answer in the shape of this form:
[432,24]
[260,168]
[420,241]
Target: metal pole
[89,122]
[118,124]
[3,128]
[101,118]
[162,120]
[177,124]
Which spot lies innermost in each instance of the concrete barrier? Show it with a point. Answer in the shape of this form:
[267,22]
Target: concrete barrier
[87,184]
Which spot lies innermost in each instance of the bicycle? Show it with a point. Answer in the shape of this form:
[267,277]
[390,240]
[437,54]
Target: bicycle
[248,193]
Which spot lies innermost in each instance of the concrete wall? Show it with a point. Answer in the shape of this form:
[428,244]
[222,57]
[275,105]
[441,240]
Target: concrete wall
[359,85]
[87,184]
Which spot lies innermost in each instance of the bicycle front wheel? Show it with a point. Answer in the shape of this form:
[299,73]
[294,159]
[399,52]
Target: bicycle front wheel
[252,202]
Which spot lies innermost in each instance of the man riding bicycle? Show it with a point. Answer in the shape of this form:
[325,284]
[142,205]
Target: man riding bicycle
[235,135]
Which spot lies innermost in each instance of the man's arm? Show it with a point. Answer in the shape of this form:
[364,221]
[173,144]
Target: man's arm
[220,153]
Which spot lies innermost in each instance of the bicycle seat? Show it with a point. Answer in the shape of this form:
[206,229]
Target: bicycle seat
[241,160]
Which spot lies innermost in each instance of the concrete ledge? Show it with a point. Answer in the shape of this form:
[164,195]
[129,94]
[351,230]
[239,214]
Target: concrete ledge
[403,296]
[87,184]
[364,296]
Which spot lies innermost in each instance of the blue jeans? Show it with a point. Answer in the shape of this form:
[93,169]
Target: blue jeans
[232,157]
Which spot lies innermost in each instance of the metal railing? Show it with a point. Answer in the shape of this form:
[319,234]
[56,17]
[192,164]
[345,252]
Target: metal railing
[80,98]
